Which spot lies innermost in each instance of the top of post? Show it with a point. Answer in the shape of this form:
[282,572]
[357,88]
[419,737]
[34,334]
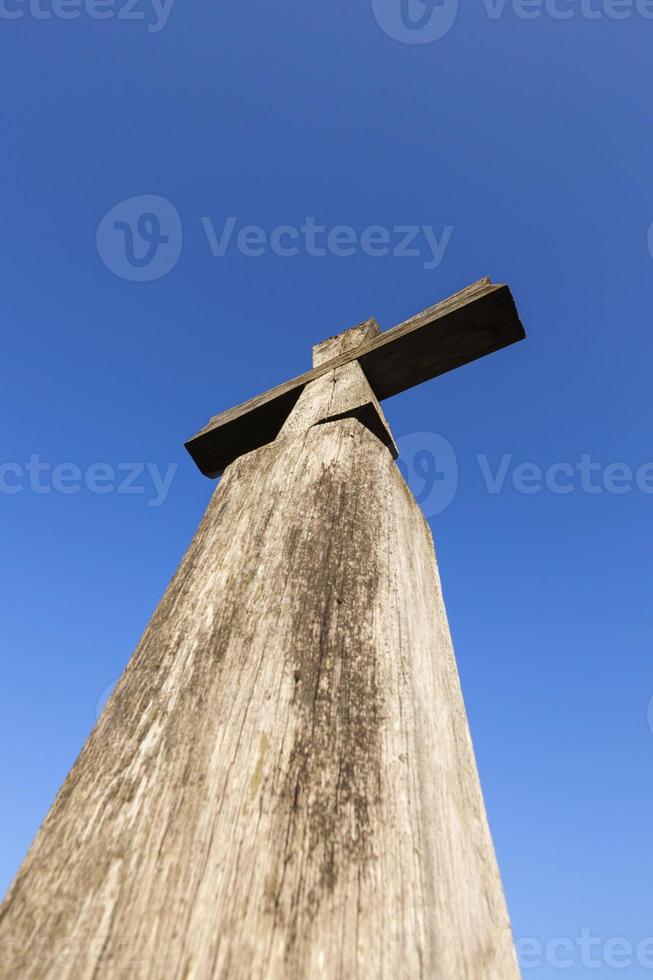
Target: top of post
[477,321]
[345,342]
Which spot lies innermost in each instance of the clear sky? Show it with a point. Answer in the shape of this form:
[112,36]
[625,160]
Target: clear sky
[504,139]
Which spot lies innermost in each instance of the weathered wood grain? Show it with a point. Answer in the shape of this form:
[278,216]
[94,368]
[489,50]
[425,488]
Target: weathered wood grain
[341,393]
[282,784]
[345,342]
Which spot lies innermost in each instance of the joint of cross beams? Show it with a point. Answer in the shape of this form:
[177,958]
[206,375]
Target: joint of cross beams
[477,321]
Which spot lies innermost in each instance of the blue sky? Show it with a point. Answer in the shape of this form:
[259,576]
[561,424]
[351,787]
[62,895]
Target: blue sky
[521,146]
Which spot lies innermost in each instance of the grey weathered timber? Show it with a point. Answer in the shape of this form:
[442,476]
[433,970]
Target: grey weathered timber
[477,321]
[282,784]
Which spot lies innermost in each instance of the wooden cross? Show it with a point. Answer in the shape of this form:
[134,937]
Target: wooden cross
[282,785]
[474,322]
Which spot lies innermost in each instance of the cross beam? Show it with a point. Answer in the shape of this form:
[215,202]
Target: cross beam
[474,322]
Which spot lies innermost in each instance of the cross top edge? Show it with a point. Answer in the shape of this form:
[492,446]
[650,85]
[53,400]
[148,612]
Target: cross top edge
[345,342]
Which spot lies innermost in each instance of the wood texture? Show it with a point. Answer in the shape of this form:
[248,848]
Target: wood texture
[282,784]
[477,321]
[341,393]
[345,342]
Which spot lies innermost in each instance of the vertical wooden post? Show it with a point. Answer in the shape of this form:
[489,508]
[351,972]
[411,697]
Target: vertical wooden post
[282,784]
